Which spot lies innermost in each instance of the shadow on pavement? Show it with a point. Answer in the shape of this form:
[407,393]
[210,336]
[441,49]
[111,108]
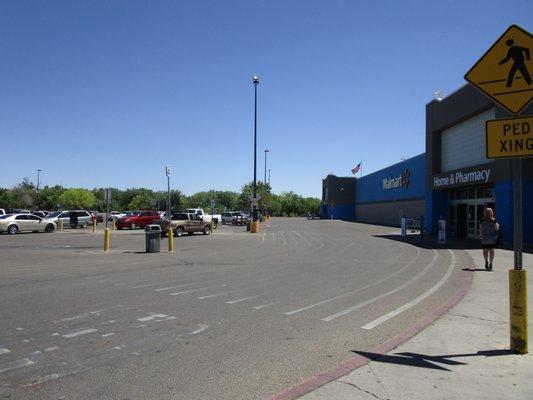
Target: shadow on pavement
[429,242]
[425,361]
[475,269]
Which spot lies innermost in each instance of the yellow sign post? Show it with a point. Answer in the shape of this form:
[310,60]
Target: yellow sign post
[505,70]
[504,73]
[512,137]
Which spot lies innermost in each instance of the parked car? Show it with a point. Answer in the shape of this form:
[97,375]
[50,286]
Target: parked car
[114,215]
[41,214]
[216,218]
[190,223]
[137,219]
[95,214]
[15,223]
[240,219]
[2,211]
[84,218]
[226,217]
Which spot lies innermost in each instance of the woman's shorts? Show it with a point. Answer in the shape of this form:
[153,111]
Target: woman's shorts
[489,246]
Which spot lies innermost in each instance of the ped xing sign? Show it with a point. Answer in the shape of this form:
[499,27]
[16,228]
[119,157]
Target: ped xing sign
[504,72]
[508,138]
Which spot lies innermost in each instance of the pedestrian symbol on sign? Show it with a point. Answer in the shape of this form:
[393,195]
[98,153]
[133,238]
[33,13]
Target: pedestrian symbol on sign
[503,73]
[516,53]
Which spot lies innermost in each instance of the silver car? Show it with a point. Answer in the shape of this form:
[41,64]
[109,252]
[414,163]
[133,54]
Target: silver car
[84,218]
[15,223]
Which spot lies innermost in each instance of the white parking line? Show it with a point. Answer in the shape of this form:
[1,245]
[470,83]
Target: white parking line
[203,327]
[240,300]
[196,290]
[24,362]
[264,234]
[356,290]
[283,237]
[177,286]
[151,317]
[150,284]
[262,306]
[79,333]
[414,302]
[292,237]
[381,296]
[108,334]
[4,350]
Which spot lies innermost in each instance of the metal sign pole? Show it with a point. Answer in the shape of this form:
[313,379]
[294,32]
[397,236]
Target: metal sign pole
[517,199]
[106,196]
[517,275]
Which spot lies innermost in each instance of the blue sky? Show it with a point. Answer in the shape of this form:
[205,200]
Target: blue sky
[105,93]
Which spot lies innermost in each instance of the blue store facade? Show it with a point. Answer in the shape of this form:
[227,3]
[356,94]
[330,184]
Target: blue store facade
[387,195]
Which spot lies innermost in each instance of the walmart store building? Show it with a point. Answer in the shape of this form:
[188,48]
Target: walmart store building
[453,179]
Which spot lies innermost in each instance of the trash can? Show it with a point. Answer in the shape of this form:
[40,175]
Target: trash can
[153,238]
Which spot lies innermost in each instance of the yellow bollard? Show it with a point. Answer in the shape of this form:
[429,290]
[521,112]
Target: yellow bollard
[518,310]
[114,224]
[254,227]
[170,235]
[94,225]
[60,224]
[106,239]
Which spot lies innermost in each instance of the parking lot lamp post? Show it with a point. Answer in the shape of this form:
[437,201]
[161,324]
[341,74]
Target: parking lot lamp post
[37,189]
[269,176]
[167,172]
[266,151]
[255,81]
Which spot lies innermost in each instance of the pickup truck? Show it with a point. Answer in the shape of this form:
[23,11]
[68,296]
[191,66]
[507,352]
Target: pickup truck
[185,222]
[206,217]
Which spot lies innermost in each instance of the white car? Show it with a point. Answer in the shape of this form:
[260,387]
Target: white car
[114,215]
[15,223]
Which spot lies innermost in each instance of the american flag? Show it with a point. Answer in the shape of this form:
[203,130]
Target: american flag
[356,169]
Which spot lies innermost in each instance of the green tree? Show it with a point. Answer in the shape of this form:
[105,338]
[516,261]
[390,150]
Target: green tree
[141,201]
[8,200]
[77,198]
[264,191]
[49,197]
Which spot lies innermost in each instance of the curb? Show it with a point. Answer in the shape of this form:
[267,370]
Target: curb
[346,367]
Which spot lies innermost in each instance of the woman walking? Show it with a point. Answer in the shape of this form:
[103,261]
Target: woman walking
[488,229]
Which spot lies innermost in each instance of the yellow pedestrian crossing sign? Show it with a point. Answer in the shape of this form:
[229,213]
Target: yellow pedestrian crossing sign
[505,71]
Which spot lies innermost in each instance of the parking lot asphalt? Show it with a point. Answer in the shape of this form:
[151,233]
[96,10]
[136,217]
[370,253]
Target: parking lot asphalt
[233,315]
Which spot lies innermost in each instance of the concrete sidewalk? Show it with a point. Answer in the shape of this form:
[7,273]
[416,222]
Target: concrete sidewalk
[462,355]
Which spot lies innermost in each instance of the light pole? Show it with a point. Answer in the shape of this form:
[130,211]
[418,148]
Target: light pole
[167,172]
[269,176]
[266,151]
[255,81]
[37,189]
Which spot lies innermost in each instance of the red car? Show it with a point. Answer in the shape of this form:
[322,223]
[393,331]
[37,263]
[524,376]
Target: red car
[137,219]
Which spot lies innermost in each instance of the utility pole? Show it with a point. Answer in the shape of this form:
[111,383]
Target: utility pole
[167,172]
[255,81]
[266,151]
[37,189]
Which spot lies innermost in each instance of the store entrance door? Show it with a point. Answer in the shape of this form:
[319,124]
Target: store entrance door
[461,220]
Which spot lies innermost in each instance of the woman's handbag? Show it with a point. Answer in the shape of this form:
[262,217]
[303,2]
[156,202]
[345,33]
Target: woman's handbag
[499,237]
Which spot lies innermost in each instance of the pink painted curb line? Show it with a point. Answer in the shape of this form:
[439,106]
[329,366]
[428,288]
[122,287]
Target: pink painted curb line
[348,366]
